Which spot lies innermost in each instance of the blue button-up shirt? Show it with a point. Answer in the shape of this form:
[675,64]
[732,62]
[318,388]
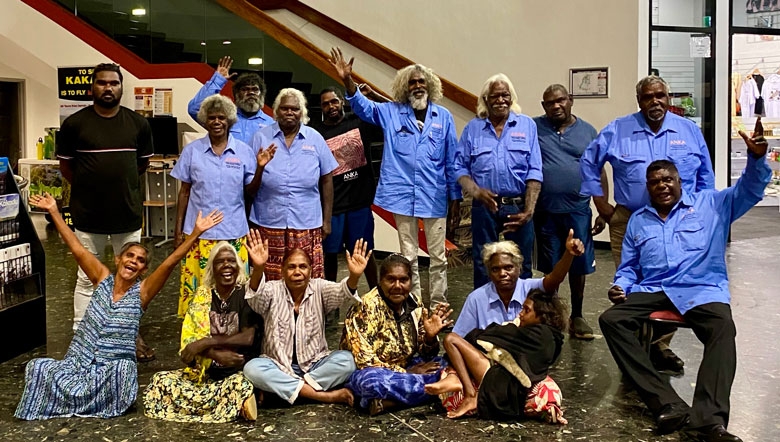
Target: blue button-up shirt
[417,176]
[217,183]
[501,164]
[483,306]
[289,196]
[246,126]
[561,153]
[684,256]
[630,146]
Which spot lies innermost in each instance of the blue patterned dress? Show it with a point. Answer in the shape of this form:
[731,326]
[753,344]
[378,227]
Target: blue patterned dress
[98,376]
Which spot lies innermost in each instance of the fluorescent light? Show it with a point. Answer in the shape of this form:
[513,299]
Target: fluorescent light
[226,42]
[139,12]
[255,61]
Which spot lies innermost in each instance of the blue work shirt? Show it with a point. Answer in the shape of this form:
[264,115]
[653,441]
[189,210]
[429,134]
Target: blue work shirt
[483,306]
[684,256]
[500,164]
[217,183]
[630,146]
[417,176]
[289,196]
[561,154]
[246,126]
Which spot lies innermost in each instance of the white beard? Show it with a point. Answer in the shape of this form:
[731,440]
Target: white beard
[419,103]
[248,107]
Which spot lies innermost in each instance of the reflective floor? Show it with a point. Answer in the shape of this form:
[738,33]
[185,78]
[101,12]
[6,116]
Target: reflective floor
[598,405]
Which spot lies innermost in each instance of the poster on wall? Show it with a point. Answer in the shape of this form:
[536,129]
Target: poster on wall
[74,88]
[144,101]
[163,102]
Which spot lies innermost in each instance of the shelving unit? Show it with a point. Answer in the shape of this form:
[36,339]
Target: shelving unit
[161,194]
[23,282]
[739,161]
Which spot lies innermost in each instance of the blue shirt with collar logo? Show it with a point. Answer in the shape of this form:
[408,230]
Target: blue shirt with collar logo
[501,164]
[629,145]
[685,256]
[217,183]
[289,196]
[483,306]
[417,176]
[246,126]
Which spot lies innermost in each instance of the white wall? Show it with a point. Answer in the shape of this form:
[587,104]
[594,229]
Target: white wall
[31,49]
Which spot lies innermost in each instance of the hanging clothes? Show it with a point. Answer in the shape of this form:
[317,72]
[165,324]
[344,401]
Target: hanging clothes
[736,88]
[747,96]
[759,107]
[771,96]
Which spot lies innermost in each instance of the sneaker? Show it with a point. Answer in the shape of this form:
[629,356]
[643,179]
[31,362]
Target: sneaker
[580,329]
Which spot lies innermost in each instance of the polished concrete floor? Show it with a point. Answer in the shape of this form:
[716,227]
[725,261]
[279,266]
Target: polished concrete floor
[598,405]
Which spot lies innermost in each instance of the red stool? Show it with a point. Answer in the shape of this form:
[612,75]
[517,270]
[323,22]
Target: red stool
[661,316]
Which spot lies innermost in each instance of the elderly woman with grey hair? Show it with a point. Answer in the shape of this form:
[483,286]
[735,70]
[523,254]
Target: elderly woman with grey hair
[294,205]
[501,299]
[215,172]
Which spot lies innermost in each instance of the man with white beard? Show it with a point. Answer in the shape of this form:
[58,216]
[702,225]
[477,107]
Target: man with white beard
[249,94]
[417,178]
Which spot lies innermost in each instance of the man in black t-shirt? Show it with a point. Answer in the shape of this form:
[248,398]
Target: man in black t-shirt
[103,149]
[349,138]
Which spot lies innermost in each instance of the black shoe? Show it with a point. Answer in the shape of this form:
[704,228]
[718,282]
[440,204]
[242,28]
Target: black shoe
[672,417]
[716,433]
[666,360]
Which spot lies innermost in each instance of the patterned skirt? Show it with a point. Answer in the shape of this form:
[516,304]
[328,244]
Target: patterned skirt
[172,396]
[193,267]
[280,241]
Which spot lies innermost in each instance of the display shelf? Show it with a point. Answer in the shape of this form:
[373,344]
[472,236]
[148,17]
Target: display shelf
[161,194]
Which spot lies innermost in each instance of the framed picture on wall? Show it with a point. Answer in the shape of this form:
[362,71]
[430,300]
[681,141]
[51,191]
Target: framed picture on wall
[589,82]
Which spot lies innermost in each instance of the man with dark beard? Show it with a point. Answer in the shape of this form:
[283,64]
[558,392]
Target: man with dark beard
[349,138]
[103,149]
[249,94]
[417,178]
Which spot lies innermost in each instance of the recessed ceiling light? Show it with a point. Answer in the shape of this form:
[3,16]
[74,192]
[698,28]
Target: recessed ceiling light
[139,12]
[203,43]
[255,61]
[226,42]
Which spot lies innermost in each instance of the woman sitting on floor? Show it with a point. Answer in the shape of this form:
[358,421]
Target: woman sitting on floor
[504,362]
[394,341]
[220,333]
[98,376]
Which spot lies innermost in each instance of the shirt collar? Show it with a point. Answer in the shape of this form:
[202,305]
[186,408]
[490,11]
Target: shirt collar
[667,125]
[278,130]
[407,109]
[229,146]
[511,121]
[493,293]
[686,200]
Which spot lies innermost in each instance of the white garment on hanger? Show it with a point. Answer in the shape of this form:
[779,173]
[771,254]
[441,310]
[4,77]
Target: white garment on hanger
[748,96]
[771,94]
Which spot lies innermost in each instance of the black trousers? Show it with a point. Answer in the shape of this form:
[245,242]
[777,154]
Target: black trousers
[712,325]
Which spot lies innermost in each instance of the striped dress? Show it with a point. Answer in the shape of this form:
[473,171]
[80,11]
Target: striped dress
[98,376]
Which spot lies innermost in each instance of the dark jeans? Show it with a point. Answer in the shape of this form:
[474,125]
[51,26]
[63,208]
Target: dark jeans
[486,226]
[712,325]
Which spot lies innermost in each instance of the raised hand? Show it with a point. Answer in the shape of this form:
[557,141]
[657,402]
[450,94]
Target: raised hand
[756,143]
[203,223]
[257,248]
[574,245]
[366,90]
[616,294]
[343,67]
[266,155]
[223,67]
[357,261]
[436,321]
[45,202]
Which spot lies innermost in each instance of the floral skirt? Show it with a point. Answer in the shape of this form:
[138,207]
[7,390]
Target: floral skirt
[281,241]
[172,396]
[193,267]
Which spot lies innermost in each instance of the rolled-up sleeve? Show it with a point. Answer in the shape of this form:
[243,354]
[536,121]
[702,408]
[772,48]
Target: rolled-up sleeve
[260,299]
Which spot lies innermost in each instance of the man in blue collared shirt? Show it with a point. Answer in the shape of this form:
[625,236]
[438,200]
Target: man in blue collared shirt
[563,138]
[499,164]
[416,179]
[674,259]
[249,93]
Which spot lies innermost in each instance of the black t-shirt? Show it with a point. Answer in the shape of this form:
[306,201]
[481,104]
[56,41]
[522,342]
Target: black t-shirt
[353,180]
[231,317]
[104,154]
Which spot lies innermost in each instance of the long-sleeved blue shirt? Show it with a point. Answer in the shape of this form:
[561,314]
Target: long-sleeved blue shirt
[417,176]
[684,256]
[246,126]
[630,146]
[501,164]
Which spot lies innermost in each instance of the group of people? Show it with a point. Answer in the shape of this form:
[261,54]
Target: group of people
[287,198]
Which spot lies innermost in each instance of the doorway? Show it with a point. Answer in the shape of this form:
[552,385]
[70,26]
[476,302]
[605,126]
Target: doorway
[10,121]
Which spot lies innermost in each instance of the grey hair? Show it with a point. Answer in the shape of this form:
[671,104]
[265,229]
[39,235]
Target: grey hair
[217,103]
[501,248]
[647,81]
[291,92]
[482,107]
[400,86]
[208,276]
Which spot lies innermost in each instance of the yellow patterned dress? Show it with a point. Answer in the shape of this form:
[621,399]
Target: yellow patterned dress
[193,394]
[193,267]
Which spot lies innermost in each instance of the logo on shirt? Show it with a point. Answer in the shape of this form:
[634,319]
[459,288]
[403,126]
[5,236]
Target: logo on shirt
[233,162]
[436,125]
[518,136]
[677,143]
[306,148]
[690,214]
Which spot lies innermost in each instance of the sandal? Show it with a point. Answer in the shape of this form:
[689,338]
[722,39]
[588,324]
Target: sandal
[143,353]
[249,409]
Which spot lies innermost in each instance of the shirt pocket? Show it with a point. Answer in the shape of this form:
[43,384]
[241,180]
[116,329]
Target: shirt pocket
[649,243]
[436,144]
[481,163]
[518,154]
[404,141]
[632,168]
[691,236]
[688,164]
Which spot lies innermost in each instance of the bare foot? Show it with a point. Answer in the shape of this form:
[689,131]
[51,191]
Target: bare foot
[469,404]
[340,396]
[449,384]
